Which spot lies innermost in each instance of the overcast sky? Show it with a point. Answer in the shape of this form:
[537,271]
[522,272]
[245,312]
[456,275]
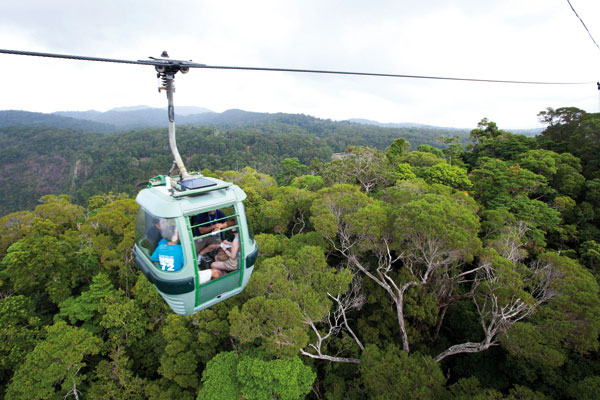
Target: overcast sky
[533,40]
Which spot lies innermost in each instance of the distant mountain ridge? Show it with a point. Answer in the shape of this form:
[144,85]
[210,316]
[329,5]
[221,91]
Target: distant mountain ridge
[400,124]
[26,118]
[138,117]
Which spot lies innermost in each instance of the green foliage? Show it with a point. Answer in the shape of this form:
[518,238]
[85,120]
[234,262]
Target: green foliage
[309,182]
[574,131]
[405,172]
[471,389]
[212,331]
[219,379]
[13,227]
[421,159]
[110,231]
[178,362]
[85,308]
[230,376]
[84,164]
[569,322]
[392,374]
[430,149]
[42,263]
[586,389]
[75,310]
[452,226]
[397,149]
[365,166]
[58,363]
[19,329]
[287,379]
[115,380]
[291,168]
[276,324]
[498,185]
[449,175]
[116,308]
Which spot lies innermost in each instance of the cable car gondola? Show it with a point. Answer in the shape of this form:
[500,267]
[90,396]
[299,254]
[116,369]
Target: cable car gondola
[188,288]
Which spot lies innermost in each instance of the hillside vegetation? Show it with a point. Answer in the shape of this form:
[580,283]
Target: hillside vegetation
[401,272]
[41,160]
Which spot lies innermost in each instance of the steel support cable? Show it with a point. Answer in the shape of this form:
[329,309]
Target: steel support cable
[583,23]
[166,61]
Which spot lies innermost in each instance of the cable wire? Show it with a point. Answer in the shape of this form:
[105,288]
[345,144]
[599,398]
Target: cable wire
[583,23]
[160,62]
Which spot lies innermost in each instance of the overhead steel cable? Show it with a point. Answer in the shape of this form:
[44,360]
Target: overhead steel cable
[583,23]
[190,64]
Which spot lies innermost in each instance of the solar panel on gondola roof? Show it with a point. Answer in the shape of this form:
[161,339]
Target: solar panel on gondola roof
[195,183]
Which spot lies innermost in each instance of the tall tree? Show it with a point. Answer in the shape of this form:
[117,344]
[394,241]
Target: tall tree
[59,363]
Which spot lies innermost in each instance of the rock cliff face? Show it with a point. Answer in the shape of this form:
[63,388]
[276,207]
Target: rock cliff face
[47,173]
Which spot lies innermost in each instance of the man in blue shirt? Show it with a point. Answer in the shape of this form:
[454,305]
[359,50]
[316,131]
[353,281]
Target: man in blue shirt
[210,222]
[169,253]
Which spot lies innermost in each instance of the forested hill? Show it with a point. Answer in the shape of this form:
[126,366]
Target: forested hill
[413,272]
[145,117]
[39,160]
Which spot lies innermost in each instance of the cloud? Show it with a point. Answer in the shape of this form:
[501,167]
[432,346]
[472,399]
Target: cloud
[535,40]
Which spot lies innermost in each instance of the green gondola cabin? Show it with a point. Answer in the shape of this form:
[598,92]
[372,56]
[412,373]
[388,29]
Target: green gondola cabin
[179,273]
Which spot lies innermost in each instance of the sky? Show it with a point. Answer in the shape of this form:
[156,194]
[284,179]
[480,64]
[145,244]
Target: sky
[533,40]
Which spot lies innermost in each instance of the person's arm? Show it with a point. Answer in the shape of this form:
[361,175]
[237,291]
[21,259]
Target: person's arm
[232,252]
[205,221]
[207,228]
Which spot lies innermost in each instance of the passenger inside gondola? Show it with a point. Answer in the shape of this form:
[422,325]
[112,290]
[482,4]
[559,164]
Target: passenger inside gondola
[206,226]
[213,236]
[169,252]
[228,261]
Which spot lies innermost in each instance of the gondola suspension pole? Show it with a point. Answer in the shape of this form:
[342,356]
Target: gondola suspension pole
[167,75]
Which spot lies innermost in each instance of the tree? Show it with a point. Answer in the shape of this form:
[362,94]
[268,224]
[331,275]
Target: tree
[219,378]
[569,322]
[572,130]
[397,149]
[561,170]
[490,141]
[497,185]
[57,362]
[504,293]
[110,232]
[365,166]
[449,175]
[486,129]
[412,242]
[291,297]
[291,168]
[85,308]
[13,227]
[390,373]
[230,375]
[48,262]
[289,211]
[114,379]
[19,330]
[454,150]
[179,360]
[287,379]
[425,148]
